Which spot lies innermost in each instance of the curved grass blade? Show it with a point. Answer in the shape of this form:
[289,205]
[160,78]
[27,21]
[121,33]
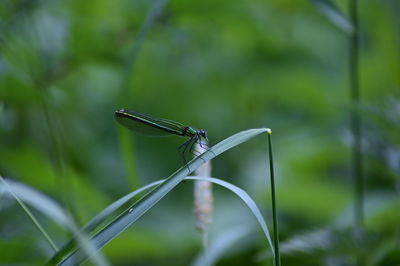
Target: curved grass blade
[133,213]
[246,199]
[101,217]
[238,191]
[8,188]
[52,210]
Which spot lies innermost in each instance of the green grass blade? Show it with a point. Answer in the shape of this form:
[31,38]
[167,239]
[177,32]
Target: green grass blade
[52,210]
[101,217]
[273,197]
[149,200]
[28,212]
[246,199]
[40,202]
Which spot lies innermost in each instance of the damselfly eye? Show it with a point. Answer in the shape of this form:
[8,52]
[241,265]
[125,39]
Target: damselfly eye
[203,133]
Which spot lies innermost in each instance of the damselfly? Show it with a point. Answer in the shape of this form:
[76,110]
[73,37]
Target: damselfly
[148,125]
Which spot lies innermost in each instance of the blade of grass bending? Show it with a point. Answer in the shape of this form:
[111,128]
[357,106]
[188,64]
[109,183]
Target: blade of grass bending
[246,199]
[101,217]
[274,217]
[30,215]
[52,210]
[149,200]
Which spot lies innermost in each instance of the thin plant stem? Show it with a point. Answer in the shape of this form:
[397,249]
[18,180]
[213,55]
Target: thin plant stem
[274,216]
[355,118]
[30,215]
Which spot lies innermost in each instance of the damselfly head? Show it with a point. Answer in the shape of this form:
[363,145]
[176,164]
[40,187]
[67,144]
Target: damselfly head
[203,133]
[119,113]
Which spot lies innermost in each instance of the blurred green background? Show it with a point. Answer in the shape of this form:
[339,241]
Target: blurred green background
[225,66]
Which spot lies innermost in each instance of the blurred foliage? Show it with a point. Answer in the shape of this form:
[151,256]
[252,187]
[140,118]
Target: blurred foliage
[224,66]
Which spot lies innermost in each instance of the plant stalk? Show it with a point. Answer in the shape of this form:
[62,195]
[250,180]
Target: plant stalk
[274,216]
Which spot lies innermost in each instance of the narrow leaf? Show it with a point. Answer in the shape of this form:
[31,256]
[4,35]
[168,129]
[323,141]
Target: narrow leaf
[246,199]
[52,210]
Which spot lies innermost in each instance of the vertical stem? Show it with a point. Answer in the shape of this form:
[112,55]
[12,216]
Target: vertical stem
[275,219]
[355,118]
